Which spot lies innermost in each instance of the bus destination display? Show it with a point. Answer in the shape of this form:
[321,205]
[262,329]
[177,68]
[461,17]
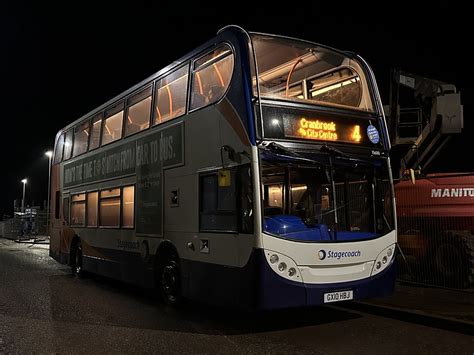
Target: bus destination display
[282,123]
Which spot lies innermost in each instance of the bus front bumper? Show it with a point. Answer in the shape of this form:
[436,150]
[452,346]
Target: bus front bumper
[277,292]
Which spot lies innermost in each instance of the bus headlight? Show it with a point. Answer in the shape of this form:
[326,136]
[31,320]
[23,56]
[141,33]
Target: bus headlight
[274,258]
[283,265]
[383,259]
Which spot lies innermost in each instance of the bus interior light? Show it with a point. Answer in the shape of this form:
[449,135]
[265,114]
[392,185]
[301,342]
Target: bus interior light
[298,188]
[334,86]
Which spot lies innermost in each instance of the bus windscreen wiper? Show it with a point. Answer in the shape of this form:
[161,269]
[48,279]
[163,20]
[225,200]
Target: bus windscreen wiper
[333,151]
[281,150]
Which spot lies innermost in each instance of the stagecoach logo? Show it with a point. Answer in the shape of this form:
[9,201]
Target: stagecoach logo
[322,254]
[373,134]
[454,192]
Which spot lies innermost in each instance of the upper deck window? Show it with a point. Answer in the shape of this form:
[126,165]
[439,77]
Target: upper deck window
[211,77]
[112,129]
[138,113]
[68,145]
[171,95]
[95,132]
[300,71]
[58,153]
[81,139]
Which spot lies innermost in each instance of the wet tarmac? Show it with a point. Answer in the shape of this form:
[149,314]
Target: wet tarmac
[43,309]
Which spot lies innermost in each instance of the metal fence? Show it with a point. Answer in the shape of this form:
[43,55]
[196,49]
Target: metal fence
[26,226]
[436,230]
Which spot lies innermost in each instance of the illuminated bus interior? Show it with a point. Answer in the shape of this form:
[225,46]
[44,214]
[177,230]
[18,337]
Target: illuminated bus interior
[210,78]
[301,202]
[303,72]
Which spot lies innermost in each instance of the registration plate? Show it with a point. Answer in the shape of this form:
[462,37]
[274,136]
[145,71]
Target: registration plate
[338,296]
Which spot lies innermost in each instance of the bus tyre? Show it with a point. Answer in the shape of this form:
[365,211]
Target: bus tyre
[453,260]
[76,263]
[169,279]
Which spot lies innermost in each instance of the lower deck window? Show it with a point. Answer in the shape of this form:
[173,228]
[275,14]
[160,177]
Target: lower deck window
[128,209]
[226,201]
[78,209]
[110,208]
[218,202]
[92,199]
[107,208]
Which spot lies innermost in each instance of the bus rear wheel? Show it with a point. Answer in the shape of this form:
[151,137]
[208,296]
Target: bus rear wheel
[170,281]
[76,263]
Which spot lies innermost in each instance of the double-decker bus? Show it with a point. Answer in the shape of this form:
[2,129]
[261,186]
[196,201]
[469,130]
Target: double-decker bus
[252,172]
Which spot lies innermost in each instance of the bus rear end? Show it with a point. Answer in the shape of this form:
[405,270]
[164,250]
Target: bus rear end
[328,229]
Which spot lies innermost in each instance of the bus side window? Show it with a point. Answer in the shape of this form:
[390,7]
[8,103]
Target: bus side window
[95,132]
[68,144]
[211,77]
[218,205]
[81,139]
[138,112]
[112,124]
[92,208]
[78,209]
[170,95]
[109,207]
[58,154]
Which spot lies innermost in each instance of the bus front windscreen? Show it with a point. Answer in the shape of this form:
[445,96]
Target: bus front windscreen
[300,71]
[326,202]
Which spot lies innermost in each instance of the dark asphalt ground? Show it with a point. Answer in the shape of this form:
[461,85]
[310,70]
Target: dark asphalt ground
[43,309]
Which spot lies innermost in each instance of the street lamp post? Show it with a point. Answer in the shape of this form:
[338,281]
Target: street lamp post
[49,154]
[23,199]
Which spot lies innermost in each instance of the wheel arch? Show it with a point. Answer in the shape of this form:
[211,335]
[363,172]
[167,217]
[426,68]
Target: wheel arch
[165,248]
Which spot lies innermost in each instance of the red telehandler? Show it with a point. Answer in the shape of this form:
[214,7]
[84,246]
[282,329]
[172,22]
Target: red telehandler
[436,227]
[435,212]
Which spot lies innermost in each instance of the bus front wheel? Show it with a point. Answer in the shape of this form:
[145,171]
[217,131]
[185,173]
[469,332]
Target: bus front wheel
[170,281]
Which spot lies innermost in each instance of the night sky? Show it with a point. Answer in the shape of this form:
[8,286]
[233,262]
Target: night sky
[58,62]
